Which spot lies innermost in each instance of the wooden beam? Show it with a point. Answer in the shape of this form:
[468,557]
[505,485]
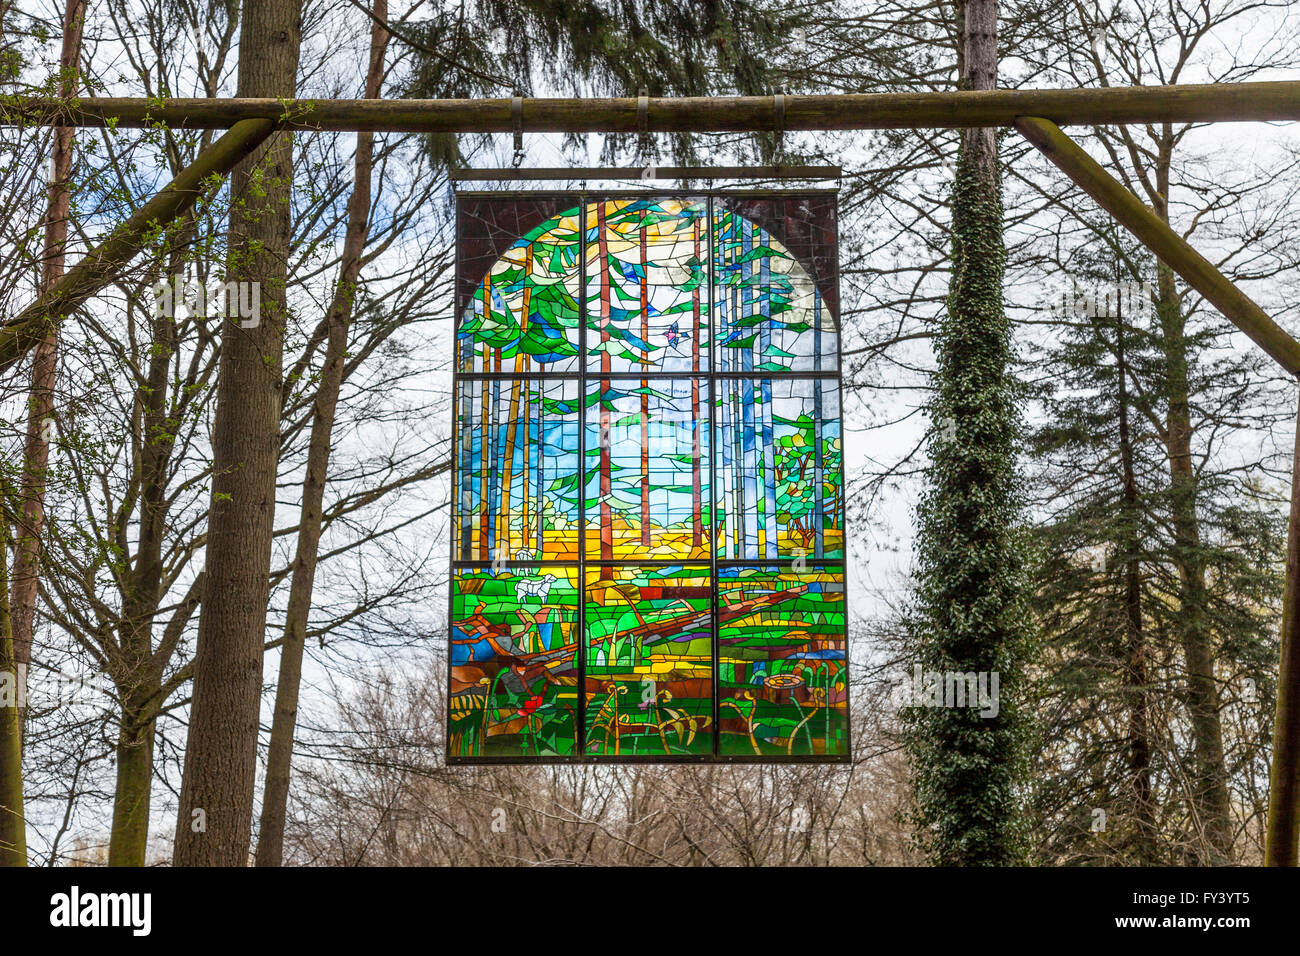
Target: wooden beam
[1172,248]
[697,174]
[1278,100]
[1282,841]
[92,273]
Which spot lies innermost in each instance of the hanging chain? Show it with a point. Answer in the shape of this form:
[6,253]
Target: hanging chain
[645,144]
[517,120]
[778,127]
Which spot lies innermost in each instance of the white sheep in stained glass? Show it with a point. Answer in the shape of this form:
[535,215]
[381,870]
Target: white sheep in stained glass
[540,587]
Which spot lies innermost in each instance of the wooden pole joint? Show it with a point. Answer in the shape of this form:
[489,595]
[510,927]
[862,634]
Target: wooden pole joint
[21,333]
[1155,233]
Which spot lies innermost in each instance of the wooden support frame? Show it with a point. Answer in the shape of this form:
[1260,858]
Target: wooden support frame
[21,333]
[698,174]
[1036,114]
[1283,834]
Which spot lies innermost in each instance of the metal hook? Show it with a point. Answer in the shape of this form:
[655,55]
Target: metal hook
[517,121]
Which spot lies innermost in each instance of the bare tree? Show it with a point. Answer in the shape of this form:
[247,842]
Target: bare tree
[216,805]
[40,407]
[338,319]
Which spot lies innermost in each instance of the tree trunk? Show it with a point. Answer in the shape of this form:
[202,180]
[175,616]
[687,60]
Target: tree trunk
[130,836]
[517,390]
[606,513]
[1139,731]
[270,839]
[645,396]
[485,463]
[13,825]
[40,404]
[135,671]
[697,492]
[216,803]
[1209,776]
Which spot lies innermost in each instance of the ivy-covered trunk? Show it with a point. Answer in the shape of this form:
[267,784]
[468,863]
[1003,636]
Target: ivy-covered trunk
[970,615]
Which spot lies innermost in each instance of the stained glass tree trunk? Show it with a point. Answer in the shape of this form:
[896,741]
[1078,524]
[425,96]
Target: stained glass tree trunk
[606,516]
[697,496]
[645,395]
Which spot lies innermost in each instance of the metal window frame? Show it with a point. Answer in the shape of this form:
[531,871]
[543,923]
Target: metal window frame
[582,199]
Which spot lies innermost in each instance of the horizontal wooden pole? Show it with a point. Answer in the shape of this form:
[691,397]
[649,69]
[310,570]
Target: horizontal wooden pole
[841,111]
[1172,248]
[102,263]
[646,173]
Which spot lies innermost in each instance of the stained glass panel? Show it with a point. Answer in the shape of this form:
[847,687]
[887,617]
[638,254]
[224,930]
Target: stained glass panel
[523,315]
[649,668]
[648,508]
[514,670]
[647,469]
[517,442]
[770,314]
[647,291]
[783,683]
[778,468]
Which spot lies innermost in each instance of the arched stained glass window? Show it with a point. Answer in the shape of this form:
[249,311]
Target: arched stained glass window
[648,527]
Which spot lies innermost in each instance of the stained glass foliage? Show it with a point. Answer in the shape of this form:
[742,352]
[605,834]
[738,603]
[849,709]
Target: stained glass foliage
[514,679]
[647,287]
[649,667]
[770,313]
[782,660]
[648,511]
[523,315]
